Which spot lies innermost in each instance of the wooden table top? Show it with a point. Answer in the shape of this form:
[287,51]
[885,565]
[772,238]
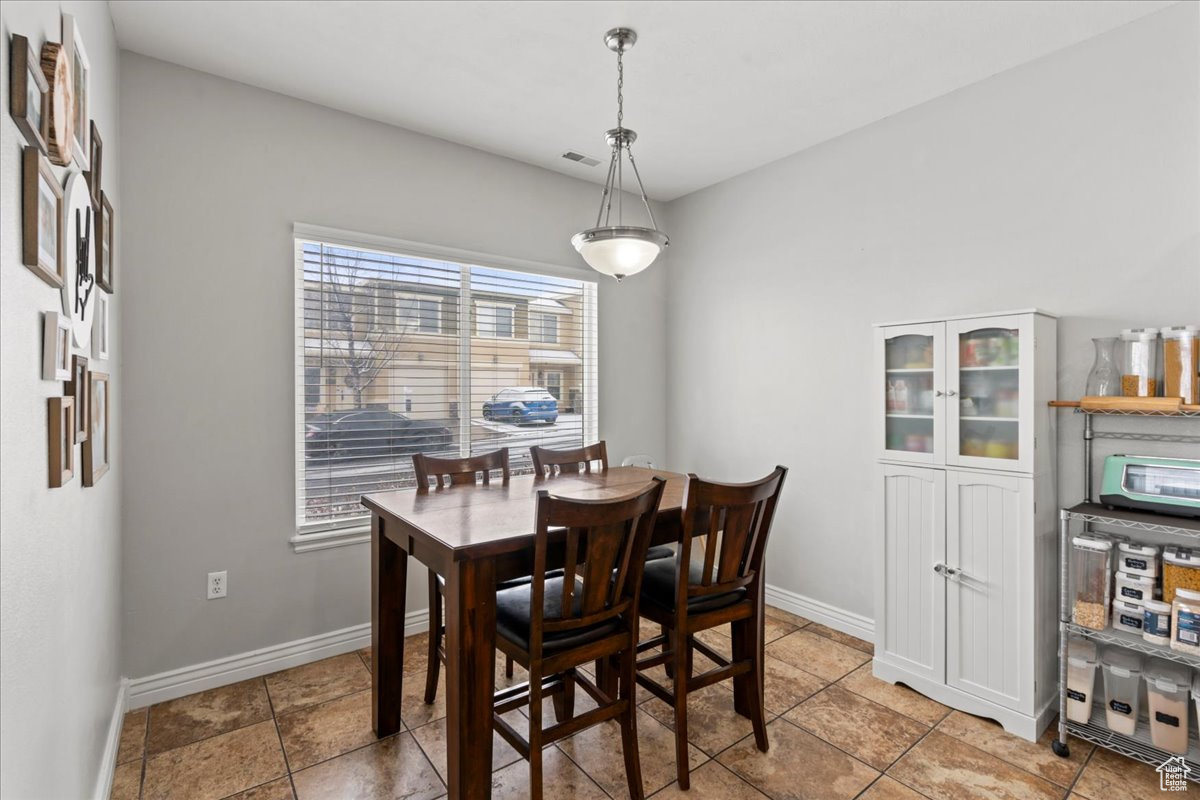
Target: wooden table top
[499,518]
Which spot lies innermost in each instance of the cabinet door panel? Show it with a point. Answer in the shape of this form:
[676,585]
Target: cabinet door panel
[910,392]
[910,603]
[989,594]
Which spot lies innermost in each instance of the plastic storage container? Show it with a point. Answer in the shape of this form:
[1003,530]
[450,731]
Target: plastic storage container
[1137,559]
[1133,588]
[1156,622]
[1167,687]
[1122,689]
[1091,566]
[1185,622]
[1139,362]
[1196,692]
[1181,569]
[1181,362]
[1081,678]
[1127,616]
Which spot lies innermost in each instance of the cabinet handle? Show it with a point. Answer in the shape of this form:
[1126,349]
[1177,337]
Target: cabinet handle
[950,393]
[951,572]
[939,568]
[939,393]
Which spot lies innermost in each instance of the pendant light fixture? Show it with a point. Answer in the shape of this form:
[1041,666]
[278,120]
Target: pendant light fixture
[619,249]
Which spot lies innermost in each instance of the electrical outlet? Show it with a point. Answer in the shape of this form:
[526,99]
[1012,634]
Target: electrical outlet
[217,584]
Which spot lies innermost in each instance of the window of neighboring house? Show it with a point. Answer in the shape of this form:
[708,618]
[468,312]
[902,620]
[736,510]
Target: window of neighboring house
[370,395]
[543,328]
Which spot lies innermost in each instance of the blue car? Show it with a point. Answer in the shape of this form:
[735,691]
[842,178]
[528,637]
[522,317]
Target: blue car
[519,404]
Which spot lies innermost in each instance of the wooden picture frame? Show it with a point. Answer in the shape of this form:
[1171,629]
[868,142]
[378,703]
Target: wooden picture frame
[96,456]
[42,237]
[60,137]
[28,93]
[61,443]
[100,328]
[80,107]
[77,388]
[95,173]
[105,243]
[56,347]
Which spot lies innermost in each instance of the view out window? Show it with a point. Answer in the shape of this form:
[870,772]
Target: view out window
[371,392]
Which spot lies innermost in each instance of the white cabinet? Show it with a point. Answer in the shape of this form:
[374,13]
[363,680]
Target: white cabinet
[965,557]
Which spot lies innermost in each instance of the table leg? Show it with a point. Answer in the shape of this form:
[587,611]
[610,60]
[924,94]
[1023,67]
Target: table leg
[389,574]
[470,677]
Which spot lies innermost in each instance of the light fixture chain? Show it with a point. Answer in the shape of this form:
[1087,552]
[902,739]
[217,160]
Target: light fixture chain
[620,89]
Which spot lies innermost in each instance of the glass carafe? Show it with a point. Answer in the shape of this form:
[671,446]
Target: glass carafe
[1104,380]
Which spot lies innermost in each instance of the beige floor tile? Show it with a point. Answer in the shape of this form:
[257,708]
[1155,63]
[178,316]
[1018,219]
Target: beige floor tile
[1035,757]
[888,789]
[204,714]
[711,781]
[786,616]
[316,733]
[317,682]
[432,738]
[597,751]
[717,641]
[1110,775]
[414,711]
[784,685]
[798,766]
[392,767]
[280,789]
[816,654]
[216,767]
[894,696]
[133,736]
[713,725]
[842,638]
[127,781]
[560,778]
[943,768]
[866,730]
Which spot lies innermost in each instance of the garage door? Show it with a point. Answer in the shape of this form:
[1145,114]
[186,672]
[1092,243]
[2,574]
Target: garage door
[420,392]
[486,381]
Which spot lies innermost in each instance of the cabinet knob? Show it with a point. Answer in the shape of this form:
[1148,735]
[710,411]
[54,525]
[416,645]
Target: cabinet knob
[939,393]
[939,568]
[950,393]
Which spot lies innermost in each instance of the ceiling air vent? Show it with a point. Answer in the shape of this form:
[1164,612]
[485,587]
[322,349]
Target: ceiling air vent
[588,161]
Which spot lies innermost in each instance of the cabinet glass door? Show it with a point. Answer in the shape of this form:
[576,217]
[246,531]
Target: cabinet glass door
[910,392]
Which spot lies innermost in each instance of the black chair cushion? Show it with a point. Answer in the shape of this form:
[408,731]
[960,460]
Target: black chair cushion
[658,587]
[661,551]
[514,607]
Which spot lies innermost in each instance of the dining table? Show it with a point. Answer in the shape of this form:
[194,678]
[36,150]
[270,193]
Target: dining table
[474,536]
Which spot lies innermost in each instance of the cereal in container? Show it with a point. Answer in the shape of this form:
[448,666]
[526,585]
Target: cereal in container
[1092,557]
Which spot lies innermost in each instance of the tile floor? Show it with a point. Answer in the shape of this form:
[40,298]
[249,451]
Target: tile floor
[835,731]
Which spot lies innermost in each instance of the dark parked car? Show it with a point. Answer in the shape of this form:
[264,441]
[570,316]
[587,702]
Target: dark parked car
[367,432]
[522,404]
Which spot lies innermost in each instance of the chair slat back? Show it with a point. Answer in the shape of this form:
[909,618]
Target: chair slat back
[548,463]
[605,551]
[456,471]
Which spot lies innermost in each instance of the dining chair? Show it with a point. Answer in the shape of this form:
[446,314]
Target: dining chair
[548,463]
[553,625]
[450,472]
[730,524]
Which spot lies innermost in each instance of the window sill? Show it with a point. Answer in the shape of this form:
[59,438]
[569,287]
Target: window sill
[325,540]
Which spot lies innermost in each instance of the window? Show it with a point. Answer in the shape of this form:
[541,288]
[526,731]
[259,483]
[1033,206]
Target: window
[369,395]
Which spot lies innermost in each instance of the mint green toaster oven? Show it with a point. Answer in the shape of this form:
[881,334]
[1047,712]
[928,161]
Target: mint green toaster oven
[1160,485]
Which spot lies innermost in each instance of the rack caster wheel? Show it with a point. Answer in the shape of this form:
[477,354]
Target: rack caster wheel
[1060,749]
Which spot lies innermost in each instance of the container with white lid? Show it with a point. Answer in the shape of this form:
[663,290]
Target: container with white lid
[1139,362]
[1128,616]
[1185,622]
[1081,678]
[1167,686]
[1092,556]
[1133,588]
[1137,559]
[1122,688]
[1181,569]
[1156,622]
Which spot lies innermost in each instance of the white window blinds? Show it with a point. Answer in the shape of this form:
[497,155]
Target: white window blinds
[398,354]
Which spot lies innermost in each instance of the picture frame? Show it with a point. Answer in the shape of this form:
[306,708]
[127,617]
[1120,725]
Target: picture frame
[61,443]
[94,174]
[42,236]
[81,82]
[96,448]
[56,347]
[60,136]
[100,329]
[106,244]
[29,93]
[78,390]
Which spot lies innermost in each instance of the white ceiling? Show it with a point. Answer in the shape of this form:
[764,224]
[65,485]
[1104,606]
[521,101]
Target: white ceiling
[713,88]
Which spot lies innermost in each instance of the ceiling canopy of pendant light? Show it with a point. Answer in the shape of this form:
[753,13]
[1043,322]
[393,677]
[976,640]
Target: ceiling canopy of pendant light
[613,247]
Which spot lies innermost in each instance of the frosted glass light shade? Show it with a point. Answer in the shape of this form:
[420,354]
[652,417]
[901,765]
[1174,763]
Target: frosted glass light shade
[619,250]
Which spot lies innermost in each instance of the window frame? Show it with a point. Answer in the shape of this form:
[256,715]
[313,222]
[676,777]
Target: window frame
[495,304]
[543,317]
[422,298]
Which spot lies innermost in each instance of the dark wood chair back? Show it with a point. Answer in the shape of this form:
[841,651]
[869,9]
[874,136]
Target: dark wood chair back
[734,521]
[605,553]
[455,471]
[549,463]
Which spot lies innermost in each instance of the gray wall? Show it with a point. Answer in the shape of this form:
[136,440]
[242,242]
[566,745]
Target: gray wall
[216,174]
[60,548]
[1070,184]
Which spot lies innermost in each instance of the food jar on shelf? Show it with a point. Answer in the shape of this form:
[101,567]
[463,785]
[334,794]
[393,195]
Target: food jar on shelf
[1167,687]
[1181,363]
[1139,362]
[1081,678]
[1122,689]
[1156,622]
[1196,692]
[1137,559]
[1091,558]
[1185,622]
[1128,617]
[1181,570]
[1133,588]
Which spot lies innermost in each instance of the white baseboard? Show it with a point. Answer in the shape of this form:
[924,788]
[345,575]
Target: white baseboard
[112,743]
[231,669]
[830,616]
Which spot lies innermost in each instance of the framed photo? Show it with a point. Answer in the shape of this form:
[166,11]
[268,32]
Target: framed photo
[81,80]
[42,213]
[56,347]
[77,390]
[96,159]
[95,447]
[62,440]
[60,135]
[106,239]
[29,93]
[100,328]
